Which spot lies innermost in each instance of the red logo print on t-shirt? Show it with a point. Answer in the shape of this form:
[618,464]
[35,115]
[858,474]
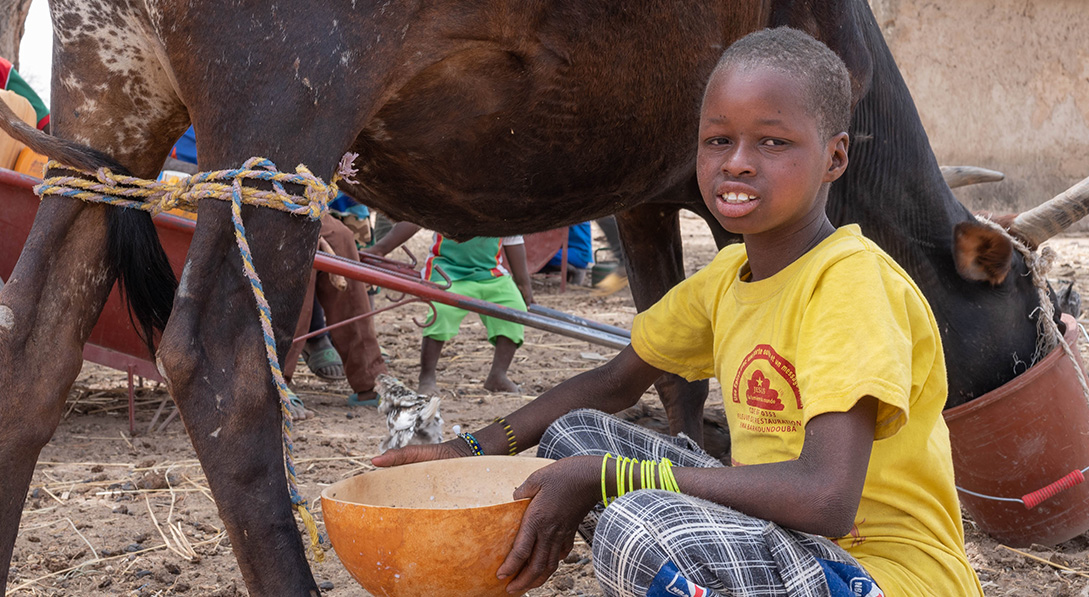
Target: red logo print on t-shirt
[760,393]
[758,390]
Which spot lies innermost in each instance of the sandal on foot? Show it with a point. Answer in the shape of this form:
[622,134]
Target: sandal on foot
[358,399]
[324,361]
[298,410]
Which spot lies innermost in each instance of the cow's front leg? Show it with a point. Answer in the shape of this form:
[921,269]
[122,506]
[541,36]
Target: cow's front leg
[47,309]
[651,235]
[214,357]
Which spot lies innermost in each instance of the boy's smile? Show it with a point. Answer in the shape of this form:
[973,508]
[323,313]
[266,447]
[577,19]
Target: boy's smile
[762,161]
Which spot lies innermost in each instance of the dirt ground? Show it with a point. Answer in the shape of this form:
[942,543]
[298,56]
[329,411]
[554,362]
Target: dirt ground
[114,514]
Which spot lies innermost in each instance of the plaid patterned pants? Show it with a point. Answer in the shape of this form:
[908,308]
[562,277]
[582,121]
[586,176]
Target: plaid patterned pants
[713,546]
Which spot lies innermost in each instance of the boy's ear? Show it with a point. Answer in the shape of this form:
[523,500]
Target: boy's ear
[837,147]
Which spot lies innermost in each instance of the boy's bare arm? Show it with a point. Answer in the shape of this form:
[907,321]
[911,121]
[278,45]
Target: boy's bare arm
[516,260]
[611,387]
[397,236]
[818,493]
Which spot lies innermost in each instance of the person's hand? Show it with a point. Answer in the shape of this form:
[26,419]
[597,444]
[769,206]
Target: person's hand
[455,448]
[562,493]
[527,293]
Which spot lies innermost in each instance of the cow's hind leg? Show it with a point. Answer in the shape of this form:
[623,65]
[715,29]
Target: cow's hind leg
[214,358]
[47,310]
[69,262]
[651,235]
[214,355]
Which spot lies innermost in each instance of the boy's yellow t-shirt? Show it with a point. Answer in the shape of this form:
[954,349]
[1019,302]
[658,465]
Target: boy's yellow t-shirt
[842,322]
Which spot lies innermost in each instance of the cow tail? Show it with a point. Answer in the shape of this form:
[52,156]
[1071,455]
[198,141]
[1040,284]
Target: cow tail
[135,255]
[144,275]
[62,150]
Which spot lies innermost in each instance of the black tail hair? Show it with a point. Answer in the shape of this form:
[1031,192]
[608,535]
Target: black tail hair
[144,276]
[135,255]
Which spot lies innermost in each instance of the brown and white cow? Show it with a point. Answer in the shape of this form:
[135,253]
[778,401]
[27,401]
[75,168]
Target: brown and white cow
[477,117]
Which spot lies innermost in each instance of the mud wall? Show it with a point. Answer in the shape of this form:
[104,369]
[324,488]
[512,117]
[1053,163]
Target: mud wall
[1002,84]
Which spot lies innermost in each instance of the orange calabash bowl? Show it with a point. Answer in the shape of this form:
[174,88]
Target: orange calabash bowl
[438,528]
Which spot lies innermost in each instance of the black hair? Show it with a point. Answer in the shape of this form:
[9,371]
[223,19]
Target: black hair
[824,76]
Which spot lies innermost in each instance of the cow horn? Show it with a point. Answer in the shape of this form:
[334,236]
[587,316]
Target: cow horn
[1057,214]
[962,176]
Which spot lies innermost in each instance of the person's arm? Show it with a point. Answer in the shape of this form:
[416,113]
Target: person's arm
[612,387]
[818,493]
[516,260]
[397,236]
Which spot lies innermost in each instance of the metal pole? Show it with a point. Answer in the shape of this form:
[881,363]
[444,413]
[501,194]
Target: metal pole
[399,282]
[352,269]
[575,319]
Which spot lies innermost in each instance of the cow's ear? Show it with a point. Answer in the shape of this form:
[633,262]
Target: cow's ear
[981,253]
[841,25]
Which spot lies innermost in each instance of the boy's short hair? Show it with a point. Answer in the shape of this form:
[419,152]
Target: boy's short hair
[825,78]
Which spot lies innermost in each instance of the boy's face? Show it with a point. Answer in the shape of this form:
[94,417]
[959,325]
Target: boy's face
[762,161]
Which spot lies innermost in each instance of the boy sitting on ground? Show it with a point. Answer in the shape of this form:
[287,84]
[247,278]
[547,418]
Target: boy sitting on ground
[475,270]
[833,384]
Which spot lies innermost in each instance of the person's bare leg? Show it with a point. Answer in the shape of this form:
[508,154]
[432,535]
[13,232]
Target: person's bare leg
[429,360]
[497,378]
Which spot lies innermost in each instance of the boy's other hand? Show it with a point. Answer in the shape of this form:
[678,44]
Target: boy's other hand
[455,448]
[561,494]
[397,236]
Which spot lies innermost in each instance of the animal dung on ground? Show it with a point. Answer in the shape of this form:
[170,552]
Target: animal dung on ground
[411,418]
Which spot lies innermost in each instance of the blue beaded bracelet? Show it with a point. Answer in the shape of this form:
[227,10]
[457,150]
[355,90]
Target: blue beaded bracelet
[473,444]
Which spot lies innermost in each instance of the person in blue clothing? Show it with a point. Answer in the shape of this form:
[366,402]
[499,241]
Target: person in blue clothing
[356,216]
[580,254]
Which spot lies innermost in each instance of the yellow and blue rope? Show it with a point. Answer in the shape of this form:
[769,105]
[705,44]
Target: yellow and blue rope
[157,196]
[103,186]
